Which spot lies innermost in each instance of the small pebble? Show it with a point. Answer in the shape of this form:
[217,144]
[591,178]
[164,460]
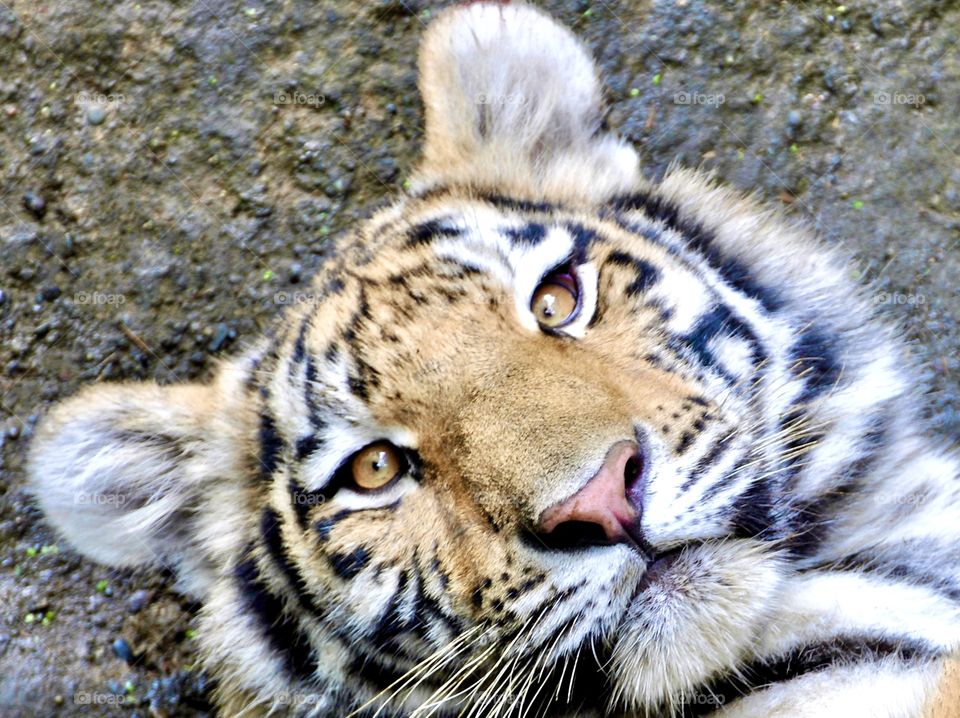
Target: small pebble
[96,115]
[35,204]
[137,601]
[50,292]
[122,650]
[296,272]
[221,332]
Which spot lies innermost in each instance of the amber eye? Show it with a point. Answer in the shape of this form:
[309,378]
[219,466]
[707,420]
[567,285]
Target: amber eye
[376,465]
[556,301]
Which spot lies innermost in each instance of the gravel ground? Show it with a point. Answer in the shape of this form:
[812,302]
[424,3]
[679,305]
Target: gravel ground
[171,171]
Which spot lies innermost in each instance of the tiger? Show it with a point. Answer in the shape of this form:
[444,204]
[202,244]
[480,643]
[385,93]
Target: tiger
[547,438]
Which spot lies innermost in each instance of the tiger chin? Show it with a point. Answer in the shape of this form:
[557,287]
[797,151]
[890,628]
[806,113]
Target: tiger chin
[551,440]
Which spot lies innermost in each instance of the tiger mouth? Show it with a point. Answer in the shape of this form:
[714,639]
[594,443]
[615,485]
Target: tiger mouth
[659,569]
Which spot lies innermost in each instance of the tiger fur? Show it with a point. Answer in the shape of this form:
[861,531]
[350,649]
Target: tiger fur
[791,541]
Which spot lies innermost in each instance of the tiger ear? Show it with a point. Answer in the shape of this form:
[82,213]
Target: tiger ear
[513,103]
[119,469]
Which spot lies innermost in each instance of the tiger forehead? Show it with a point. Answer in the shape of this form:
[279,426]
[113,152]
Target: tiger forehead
[494,227]
[435,265]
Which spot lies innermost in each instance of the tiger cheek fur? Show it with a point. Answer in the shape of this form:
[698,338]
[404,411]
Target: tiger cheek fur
[548,438]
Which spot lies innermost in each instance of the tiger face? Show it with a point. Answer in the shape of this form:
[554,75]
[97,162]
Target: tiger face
[524,474]
[542,436]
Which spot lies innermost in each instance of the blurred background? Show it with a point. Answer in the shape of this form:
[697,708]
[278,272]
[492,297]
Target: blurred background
[171,173]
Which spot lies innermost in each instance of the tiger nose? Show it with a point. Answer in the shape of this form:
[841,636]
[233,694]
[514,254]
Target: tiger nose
[601,512]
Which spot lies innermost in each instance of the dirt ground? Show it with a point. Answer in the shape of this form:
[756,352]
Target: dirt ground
[170,171]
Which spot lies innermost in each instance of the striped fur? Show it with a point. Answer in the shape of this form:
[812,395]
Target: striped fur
[800,529]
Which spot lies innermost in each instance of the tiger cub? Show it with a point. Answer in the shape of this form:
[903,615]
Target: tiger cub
[552,440]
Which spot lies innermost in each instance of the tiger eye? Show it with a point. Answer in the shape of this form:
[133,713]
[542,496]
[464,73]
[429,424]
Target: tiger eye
[554,304]
[376,465]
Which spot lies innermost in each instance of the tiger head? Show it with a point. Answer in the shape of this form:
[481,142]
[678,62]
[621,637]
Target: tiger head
[521,443]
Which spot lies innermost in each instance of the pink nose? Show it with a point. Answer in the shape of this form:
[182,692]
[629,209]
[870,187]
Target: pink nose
[601,504]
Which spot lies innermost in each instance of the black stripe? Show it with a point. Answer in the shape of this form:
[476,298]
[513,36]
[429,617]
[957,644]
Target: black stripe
[428,231]
[802,660]
[518,205]
[723,482]
[300,345]
[313,409]
[331,354]
[701,240]
[719,322]
[529,235]
[426,610]
[647,274]
[738,276]
[381,676]
[273,543]
[270,446]
[752,517]
[348,565]
[801,440]
[284,635]
[815,356]
[583,238]
[333,287]
[363,312]
[813,518]
[324,526]
[365,379]
[391,622]
[707,461]
[307,445]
